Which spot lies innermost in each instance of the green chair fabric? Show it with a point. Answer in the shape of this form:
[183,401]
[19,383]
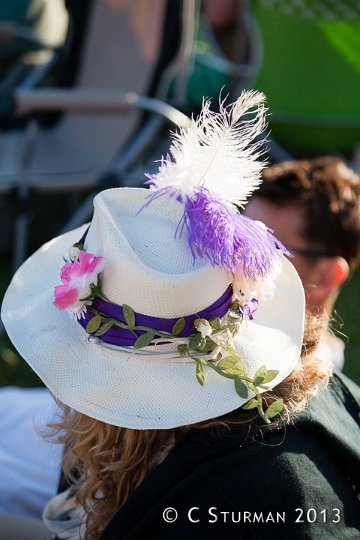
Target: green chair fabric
[310,72]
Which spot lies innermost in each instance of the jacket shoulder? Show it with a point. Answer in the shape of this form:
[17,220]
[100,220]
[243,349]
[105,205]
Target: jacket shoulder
[308,471]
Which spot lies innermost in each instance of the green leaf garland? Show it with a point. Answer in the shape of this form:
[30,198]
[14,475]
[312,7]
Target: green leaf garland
[218,342]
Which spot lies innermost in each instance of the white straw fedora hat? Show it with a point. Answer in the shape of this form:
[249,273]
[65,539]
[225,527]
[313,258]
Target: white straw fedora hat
[167,327]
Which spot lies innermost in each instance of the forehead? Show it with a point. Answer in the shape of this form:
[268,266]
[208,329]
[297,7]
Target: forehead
[287,221]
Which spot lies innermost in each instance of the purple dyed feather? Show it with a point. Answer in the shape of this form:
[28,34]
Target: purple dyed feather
[218,231]
[214,167]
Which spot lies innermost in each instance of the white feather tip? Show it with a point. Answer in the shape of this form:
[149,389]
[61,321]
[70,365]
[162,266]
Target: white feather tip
[219,152]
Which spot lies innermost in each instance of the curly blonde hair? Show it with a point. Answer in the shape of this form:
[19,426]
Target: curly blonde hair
[108,463]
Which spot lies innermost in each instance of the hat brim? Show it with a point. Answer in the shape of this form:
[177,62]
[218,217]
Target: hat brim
[139,391]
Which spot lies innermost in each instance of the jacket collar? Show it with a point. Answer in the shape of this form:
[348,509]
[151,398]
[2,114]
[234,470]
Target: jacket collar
[197,447]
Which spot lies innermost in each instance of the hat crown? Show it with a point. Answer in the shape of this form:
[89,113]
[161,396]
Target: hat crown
[148,262]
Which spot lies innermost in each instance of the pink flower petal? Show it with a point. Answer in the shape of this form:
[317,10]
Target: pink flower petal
[66,272]
[77,277]
[65,296]
[89,263]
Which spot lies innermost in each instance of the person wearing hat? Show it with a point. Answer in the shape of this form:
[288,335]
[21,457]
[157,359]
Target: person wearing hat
[174,335]
[313,207]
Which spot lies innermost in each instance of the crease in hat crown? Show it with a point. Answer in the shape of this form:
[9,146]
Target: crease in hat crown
[145,264]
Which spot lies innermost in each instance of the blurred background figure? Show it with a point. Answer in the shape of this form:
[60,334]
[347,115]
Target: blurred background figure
[223,56]
[29,464]
[29,27]
[102,116]
[314,209]
[30,31]
[305,57]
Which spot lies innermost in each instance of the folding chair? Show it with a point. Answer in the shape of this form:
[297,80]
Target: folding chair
[121,47]
[34,40]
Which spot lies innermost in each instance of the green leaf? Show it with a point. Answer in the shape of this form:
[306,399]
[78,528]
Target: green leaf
[241,388]
[235,310]
[144,340]
[230,350]
[240,367]
[215,323]
[271,374]
[178,327]
[203,362]
[260,376]
[196,341]
[120,324]
[202,345]
[234,329]
[210,345]
[94,289]
[274,409]
[200,373]
[228,362]
[88,297]
[250,404]
[104,328]
[129,315]
[182,349]
[237,371]
[94,324]
[223,373]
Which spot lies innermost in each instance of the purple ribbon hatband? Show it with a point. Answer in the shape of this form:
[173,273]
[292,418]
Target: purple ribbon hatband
[122,337]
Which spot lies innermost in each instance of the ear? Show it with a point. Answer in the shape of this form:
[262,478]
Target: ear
[331,273]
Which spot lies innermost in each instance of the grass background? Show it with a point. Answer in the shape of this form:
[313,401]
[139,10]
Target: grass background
[347,313]
[15,371]
[46,215]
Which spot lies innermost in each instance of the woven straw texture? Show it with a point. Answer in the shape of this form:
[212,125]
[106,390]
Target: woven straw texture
[155,273]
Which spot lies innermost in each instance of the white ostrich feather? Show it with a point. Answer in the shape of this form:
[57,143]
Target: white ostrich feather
[217,152]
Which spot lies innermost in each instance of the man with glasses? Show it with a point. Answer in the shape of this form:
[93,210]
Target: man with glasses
[313,206]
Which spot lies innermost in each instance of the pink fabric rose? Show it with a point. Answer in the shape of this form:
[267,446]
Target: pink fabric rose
[77,277]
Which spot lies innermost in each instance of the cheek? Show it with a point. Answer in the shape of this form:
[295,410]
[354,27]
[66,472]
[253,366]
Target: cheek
[307,275]
[305,269]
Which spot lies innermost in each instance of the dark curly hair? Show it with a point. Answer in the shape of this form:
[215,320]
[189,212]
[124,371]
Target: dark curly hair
[329,192]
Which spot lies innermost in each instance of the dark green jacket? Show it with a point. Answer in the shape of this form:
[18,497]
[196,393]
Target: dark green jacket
[307,475]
